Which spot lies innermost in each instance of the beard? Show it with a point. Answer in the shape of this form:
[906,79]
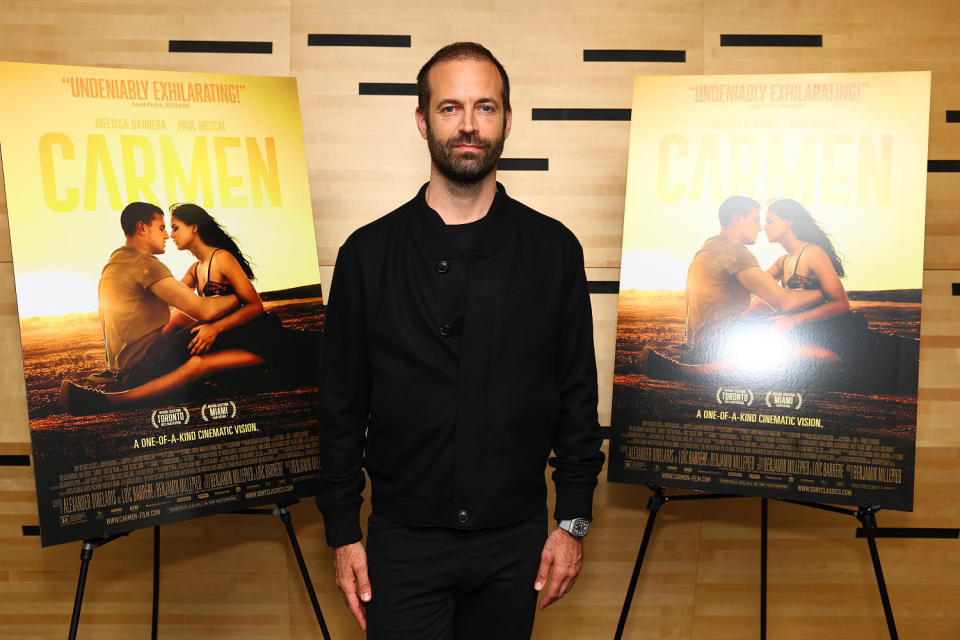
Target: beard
[469,168]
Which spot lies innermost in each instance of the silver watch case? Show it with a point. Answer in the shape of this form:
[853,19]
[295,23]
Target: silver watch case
[578,527]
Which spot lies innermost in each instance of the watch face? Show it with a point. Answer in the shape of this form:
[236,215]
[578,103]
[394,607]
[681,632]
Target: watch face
[579,527]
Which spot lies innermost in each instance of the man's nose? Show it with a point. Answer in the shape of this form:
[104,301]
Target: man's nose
[468,123]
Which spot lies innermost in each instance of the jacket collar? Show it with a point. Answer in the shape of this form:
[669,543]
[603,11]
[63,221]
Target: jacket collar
[500,220]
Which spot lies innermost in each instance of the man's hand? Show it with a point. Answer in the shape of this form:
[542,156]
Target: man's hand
[561,560]
[350,569]
[204,336]
[783,324]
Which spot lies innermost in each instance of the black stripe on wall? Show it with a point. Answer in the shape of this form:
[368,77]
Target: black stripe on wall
[955,287]
[388,89]
[31,530]
[953,116]
[523,164]
[768,40]
[14,461]
[605,432]
[634,55]
[219,46]
[603,286]
[582,114]
[355,40]
[943,166]
[911,532]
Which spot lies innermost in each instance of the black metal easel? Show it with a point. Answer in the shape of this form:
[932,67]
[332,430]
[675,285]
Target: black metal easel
[869,530]
[86,554]
[281,510]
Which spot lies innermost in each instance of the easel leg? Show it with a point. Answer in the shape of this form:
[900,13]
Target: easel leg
[868,518]
[86,553]
[653,505]
[763,569]
[285,516]
[156,582]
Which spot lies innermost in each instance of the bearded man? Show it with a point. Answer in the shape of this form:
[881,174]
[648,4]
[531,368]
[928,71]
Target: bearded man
[457,355]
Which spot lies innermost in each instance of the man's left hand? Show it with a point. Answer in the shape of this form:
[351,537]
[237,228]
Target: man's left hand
[203,338]
[783,323]
[561,561]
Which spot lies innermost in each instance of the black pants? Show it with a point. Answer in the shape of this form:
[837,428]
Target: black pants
[432,583]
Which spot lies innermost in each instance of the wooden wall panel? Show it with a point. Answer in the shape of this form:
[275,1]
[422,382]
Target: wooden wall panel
[13,420]
[604,342]
[353,141]
[235,576]
[132,34]
[938,410]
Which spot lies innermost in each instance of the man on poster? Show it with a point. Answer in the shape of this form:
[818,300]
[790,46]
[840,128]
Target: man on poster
[136,292]
[722,277]
[458,352]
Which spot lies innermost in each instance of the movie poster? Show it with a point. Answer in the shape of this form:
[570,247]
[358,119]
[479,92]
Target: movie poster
[139,415]
[769,308]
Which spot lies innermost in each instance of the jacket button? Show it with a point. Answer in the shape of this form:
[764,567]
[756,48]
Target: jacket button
[445,331]
[463,517]
[443,266]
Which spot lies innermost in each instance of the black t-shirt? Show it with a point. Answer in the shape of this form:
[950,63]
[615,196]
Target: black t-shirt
[465,233]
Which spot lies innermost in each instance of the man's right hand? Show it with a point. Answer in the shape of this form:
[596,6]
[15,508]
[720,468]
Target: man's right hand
[350,569]
[176,294]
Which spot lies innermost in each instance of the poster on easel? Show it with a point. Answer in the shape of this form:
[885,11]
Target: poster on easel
[169,348]
[769,307]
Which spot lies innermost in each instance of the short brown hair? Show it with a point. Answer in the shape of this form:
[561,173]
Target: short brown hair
[735,206]
[137,212]
[459,51]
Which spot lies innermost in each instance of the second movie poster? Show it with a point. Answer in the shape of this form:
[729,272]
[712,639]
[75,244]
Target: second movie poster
[769,307]
[138,415]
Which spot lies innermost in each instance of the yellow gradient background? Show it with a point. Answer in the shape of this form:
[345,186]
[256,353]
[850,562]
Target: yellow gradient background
[58,254]
[858,165]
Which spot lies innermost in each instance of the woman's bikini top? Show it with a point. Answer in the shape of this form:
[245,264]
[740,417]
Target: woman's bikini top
[797,281]
[212,287]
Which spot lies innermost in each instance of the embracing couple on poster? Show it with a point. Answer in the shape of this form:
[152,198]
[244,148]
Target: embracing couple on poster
[162,335]
[791,323]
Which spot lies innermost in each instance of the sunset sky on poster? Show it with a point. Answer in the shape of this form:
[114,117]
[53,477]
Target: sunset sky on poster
[79,143]
[852,148]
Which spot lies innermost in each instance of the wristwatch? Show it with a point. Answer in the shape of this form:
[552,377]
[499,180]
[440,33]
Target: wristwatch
[578,527]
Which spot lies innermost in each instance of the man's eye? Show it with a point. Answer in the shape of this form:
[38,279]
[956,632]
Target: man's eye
[486,108]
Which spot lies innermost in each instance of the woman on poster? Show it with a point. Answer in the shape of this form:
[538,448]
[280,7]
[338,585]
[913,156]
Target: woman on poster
[810,262]
[869,360]
[221,269]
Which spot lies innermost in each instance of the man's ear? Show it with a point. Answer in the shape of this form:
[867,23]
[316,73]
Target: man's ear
[141,228]
[421,119]
[507,123]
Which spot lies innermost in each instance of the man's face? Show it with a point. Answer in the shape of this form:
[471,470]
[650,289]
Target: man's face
[156,234]
[747,227]
[465,125]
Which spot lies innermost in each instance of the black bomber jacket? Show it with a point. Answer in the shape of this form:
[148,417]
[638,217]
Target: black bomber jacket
[452,377]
